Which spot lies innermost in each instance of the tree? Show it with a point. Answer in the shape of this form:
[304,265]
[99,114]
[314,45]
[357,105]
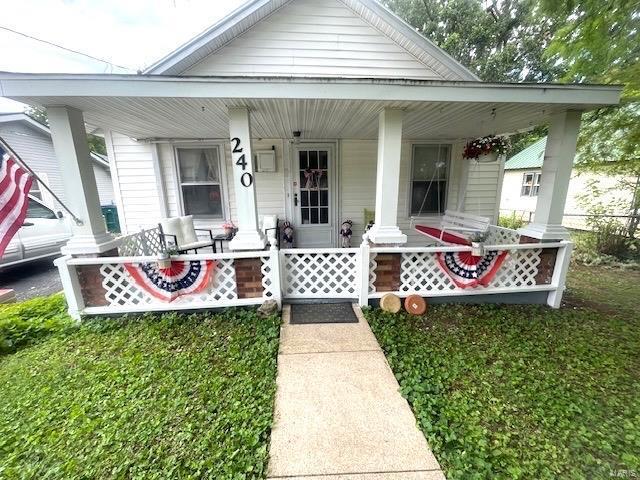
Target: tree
[96,143]
[598,43]
[505,41]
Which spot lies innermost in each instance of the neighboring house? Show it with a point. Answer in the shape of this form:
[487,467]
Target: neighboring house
[521,186]
[316,111]
[32,142]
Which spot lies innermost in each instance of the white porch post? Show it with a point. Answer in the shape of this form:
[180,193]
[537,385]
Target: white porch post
[554,181]
[386,228]
[70,144]
[248,236]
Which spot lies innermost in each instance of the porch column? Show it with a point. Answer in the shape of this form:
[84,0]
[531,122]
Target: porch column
[70,144]
[248,237]
[554,180]
[386,228]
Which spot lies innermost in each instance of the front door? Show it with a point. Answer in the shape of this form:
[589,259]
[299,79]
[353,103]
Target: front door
[313,199]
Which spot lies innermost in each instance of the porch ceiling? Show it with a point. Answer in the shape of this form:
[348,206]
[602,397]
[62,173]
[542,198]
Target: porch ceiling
[146,107]
[189,118]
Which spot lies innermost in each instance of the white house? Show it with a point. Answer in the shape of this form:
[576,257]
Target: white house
[313,111]
[32,141]
[521,186]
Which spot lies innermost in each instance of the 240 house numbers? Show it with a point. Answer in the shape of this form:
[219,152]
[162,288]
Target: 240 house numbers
[246,179]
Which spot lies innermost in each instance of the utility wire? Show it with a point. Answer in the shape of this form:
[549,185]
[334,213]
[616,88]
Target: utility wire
[64,48]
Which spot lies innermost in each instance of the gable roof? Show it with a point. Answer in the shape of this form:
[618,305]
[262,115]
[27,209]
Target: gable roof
[250,14]
[24,118]
[530,157]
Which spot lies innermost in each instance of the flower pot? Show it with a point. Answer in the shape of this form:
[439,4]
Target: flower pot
[488,157]
[164,261]
[477,249]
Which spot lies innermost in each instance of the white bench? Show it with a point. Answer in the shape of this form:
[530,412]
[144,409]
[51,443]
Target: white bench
[465,224]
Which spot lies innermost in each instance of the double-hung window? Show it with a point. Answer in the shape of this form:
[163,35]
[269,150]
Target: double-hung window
[530,184]
[429,179]
[200,181]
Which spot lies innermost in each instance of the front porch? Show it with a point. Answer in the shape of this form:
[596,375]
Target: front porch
[371,145]
[531,273]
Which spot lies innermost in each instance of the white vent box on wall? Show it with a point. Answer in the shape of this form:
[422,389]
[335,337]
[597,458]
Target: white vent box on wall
[266,160]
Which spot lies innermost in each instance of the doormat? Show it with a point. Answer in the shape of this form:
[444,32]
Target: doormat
[303,314]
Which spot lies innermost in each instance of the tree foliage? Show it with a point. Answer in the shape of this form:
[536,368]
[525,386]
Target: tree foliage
[96,143]
[505,41]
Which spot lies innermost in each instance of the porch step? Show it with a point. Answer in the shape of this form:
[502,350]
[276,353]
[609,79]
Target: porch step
[338,411]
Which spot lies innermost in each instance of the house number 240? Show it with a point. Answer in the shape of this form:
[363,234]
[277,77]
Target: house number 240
[246,179]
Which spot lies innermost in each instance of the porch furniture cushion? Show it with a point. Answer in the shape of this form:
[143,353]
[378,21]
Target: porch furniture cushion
[173,227]
[189,235]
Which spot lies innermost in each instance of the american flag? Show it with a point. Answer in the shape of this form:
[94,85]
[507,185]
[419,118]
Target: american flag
[15,183]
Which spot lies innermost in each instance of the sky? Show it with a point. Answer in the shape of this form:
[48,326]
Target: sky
[130,33]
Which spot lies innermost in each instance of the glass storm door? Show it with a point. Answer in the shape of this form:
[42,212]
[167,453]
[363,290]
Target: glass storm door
[313,197]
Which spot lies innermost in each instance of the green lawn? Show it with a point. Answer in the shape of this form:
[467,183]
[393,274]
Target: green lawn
[523,391]
[150,398]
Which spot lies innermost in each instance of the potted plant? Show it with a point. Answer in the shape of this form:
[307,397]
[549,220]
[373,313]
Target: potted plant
[477,243]
[228,227]
[486,149]
[164,260]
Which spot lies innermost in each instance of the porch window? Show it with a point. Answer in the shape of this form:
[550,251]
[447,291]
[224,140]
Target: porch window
[429,178]
[200,181]
[35,190]
[530,184]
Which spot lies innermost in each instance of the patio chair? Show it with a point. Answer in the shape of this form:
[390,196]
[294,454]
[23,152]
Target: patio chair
[180,232]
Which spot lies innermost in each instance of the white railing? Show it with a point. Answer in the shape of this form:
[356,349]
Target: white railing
[319,273]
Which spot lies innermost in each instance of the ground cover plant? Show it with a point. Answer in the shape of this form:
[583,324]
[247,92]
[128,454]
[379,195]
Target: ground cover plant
[171,396]
[27,322]
[508,392]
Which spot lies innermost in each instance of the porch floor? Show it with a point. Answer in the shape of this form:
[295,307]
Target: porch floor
[338,411]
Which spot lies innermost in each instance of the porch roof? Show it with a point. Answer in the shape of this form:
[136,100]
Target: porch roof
[148,107]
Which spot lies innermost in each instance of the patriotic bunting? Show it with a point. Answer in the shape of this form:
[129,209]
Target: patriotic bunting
[167,284]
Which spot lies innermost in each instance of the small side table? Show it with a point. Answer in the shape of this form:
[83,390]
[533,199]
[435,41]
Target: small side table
[223,237]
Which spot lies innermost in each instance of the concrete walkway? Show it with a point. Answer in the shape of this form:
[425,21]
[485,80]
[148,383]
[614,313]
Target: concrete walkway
[338,412]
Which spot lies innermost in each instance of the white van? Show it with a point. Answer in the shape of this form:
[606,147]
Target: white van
[42,235]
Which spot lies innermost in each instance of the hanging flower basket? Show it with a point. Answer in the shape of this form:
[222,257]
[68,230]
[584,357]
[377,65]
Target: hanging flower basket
[486,149]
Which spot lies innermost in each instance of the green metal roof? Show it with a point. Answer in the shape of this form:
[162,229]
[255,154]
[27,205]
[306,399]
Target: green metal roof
[530,157]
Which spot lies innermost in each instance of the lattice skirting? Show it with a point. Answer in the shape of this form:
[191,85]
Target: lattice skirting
[421,273]
[121,290]
[320,275]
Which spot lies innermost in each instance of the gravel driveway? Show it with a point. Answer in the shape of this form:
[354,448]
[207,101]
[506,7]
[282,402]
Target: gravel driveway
[34,279]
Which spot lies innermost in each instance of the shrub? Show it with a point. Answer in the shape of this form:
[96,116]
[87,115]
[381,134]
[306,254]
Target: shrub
[511,221]
[25,322]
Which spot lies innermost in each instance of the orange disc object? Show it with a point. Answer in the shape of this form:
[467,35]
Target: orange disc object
[415,305]
[390,303]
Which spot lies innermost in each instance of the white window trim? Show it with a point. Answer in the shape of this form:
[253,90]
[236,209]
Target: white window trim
[448,178]
[535,182]
[222,164]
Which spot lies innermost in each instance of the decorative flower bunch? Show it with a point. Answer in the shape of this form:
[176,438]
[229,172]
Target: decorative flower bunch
[228,225]
[485,145]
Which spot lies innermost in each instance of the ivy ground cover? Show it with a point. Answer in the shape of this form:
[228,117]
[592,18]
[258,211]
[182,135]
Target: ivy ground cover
[164,397]
[522,392]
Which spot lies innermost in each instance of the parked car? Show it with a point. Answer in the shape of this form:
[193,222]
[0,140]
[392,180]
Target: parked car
[41,235]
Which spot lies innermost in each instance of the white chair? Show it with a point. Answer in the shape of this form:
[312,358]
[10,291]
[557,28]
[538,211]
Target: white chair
[182,233]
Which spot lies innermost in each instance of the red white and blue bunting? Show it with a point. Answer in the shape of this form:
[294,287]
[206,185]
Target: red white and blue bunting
[464,269]
[167,284]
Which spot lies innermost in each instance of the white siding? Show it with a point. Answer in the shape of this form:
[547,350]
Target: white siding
[355,188]
[269,186]
[104,184]
[136,186]
[36,149]
[613,196]
[310,38]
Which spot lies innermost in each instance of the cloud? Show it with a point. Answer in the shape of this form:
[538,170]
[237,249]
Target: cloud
[131,33]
